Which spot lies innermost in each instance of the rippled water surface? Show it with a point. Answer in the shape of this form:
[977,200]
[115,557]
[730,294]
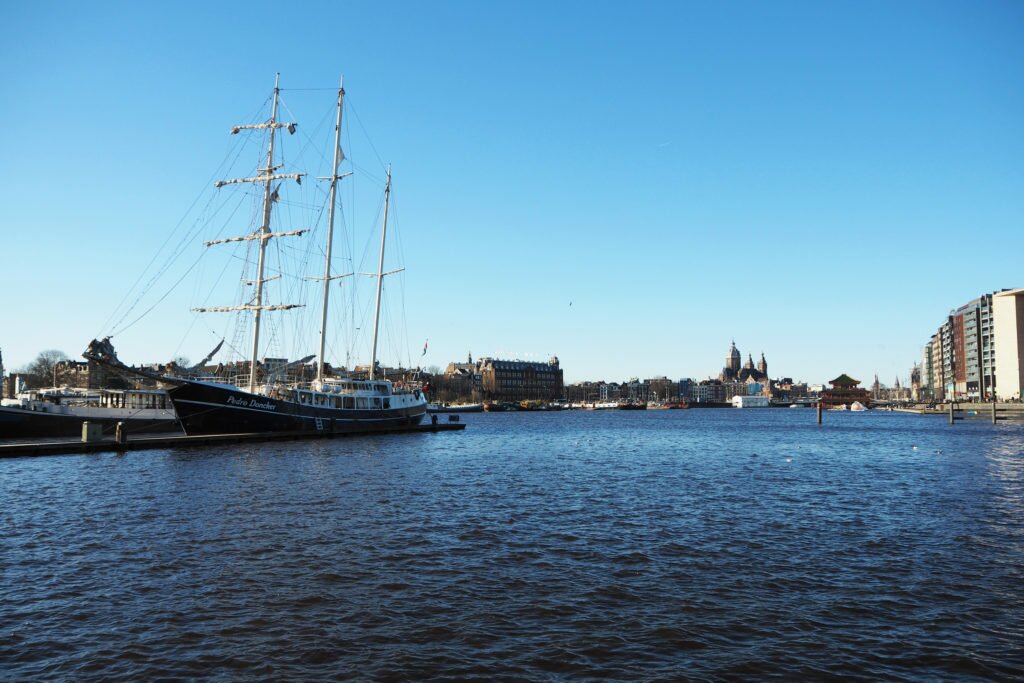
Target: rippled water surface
[707,544]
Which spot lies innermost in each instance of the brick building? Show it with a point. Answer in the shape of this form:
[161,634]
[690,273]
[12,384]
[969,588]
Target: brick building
[516,380]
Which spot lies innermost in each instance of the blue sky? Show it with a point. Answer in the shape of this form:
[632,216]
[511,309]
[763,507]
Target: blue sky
[818,181]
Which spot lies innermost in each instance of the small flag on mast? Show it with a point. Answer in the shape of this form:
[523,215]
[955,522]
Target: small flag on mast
[424,348]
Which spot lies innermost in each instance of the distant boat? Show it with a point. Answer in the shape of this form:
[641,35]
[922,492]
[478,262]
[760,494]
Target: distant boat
[675,404]
[857,407]
[455,407]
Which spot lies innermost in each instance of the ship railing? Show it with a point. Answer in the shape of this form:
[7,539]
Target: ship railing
[356,387]
[241,381]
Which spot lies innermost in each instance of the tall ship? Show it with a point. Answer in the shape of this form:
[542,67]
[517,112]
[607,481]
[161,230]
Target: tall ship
[272,403]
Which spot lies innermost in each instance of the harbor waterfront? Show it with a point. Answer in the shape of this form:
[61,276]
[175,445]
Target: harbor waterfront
[630,545]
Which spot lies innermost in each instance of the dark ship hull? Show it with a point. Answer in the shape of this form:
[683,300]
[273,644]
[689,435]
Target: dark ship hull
[221,409]
[20,422]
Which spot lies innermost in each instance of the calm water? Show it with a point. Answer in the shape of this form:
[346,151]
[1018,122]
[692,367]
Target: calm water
[666,545]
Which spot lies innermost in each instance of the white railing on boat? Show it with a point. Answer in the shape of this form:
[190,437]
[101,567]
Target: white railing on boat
[282,387]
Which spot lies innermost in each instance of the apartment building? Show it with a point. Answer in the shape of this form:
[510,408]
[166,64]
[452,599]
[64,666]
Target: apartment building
[962,359]
[1008,354]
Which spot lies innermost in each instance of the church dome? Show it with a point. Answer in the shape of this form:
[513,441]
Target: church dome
[732,358]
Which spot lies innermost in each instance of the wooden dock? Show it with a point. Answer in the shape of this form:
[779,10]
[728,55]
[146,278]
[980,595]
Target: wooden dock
[137,443]
[918,411]
[993,412]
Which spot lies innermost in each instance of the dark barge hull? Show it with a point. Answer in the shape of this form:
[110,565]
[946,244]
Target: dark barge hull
[19,422]
[219,409]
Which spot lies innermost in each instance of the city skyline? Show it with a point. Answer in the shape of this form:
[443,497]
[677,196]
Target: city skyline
[627,189]
[439,369]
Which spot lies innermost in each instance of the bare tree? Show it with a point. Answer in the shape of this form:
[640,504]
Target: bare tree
[42,371]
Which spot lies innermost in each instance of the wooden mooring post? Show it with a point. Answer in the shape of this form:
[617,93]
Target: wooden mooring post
[819,411]
[994,408]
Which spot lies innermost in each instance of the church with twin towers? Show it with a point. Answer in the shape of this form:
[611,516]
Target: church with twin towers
[748,373]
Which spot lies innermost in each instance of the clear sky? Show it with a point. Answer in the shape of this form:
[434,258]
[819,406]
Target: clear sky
[629,186]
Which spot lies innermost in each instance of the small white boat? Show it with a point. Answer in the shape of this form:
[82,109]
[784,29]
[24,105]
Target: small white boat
[455,407]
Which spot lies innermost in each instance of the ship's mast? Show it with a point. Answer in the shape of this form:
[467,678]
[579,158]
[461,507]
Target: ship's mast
[264,231]
[263,235]
[330,231]
[380,277]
